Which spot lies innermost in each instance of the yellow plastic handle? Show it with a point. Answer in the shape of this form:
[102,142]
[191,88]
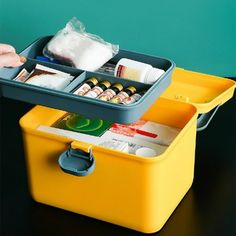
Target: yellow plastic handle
[82,146]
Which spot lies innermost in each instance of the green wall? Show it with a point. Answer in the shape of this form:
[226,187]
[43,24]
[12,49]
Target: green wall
[198,35]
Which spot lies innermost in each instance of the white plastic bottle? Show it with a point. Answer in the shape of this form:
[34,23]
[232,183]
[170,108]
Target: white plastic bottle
[138,71]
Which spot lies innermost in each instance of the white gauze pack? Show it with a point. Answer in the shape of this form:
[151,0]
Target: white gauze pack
[73,46]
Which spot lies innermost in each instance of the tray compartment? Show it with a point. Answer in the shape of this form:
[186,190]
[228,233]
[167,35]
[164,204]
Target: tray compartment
[112,79]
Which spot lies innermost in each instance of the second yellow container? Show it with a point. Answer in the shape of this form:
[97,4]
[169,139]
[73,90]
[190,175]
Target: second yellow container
[128,190]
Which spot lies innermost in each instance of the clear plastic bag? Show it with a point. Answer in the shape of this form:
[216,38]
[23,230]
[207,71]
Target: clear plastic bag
[74,46]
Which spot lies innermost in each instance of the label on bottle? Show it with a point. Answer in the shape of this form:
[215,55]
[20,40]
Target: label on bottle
[134,98]
[94,92]
[107,95]
[82,89]
[119,97]
[128,72]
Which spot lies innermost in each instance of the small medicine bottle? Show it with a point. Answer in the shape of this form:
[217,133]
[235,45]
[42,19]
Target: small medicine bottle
[138,71]
[134,98]
[84,88]
[123,94]
[111,92]
[98,89]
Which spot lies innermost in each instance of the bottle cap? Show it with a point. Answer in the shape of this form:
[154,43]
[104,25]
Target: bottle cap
[153,75]
[106,83]
[118,86]
[131,89]
[93,80]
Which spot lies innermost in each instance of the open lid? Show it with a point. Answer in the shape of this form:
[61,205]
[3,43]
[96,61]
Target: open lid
[204,91]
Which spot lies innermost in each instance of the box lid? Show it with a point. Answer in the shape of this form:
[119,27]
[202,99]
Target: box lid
[205,92]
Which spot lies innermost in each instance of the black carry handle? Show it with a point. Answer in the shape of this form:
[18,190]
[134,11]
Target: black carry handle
[204,119]
[77,162]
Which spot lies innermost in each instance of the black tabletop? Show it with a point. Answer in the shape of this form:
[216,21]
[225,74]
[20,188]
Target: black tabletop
[209,208]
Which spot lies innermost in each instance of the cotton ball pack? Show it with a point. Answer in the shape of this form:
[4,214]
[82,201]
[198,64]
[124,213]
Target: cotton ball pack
[73,46]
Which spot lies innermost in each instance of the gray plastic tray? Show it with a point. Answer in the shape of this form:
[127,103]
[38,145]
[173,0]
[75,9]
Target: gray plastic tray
[66,100]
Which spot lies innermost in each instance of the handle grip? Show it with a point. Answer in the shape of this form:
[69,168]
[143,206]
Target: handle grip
[204,119]
[77,161]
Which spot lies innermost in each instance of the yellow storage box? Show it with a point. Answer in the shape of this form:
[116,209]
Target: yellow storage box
[128,190]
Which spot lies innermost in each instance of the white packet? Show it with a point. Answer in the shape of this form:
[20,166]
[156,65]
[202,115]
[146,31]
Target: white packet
[74,46]
[49,78]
